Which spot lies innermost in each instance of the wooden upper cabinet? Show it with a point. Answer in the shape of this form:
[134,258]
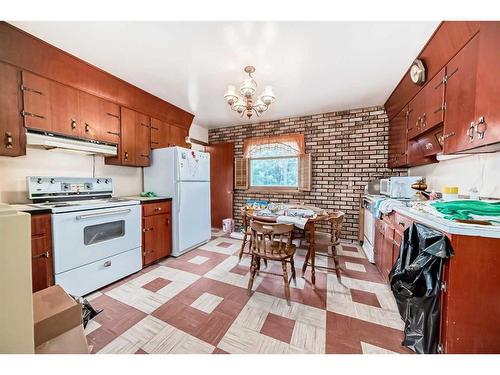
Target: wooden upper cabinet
[487,111]
[90,115]
[416,110]
[109,122]
[12,138]
[142,140]
[36,100]
[397,154]
[434,101]
[178,136]
[460,99]
[127,145]
[160,134]
[64,110]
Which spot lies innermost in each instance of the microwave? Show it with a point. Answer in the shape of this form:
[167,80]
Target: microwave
[399,187]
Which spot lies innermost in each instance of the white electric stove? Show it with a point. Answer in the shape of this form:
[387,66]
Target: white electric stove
[96,238]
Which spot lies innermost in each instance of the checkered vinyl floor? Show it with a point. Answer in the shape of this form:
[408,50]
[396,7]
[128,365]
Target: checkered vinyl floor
[198,303]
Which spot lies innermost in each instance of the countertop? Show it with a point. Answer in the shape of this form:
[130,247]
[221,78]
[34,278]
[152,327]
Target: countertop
[448,226]
[30,209]
[146,199]
[443,225]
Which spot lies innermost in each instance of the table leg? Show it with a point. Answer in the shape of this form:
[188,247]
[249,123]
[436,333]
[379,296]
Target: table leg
[312,251]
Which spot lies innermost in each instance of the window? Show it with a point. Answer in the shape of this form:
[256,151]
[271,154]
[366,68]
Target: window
[273,163]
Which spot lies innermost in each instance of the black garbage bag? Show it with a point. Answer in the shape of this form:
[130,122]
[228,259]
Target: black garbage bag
[415,281]
[88,312]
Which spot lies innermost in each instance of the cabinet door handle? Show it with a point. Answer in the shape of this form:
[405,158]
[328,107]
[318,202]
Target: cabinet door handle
[446,136]
[429,146]
[147,126]
[24,113]
[87,127]
[470,132]
[147,229]
[155,143]
[113,115]
[25,88]
[9,140]
[481,127]
[73,124]
[43,255]
[424,120]
[126,155]
[168,222]
[113,133]
[153,128]
[145,156]
[158,209]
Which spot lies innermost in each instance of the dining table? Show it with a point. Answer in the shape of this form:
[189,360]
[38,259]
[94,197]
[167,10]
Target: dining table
[310,227]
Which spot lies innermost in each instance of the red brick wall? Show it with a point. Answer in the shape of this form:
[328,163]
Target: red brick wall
[348,148]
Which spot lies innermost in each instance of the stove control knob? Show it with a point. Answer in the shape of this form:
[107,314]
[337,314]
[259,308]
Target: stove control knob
[106,181]
[52,181]
[38,180]
[98,181]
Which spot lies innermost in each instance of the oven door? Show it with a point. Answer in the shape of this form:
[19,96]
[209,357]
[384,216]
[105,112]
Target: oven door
[83,237]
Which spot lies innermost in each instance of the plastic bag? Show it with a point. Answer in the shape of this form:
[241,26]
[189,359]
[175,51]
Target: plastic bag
[415,281]
[88,312]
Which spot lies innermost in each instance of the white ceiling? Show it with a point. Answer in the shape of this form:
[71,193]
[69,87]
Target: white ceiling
[314,67]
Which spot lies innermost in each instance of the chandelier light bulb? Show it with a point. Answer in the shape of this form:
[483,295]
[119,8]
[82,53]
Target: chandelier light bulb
[231,96]
[268,96]
[239,106]
[248,87]
[260,106]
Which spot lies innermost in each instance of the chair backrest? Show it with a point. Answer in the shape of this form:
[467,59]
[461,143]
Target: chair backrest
[265,234]
[336,219]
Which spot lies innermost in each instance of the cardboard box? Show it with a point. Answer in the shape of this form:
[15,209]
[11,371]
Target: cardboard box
[54,313]
[70,342]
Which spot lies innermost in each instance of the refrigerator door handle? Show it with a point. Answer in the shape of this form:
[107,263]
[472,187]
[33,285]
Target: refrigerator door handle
[178,187]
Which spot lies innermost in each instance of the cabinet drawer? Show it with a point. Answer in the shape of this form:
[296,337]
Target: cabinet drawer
[158,208]
[401,222]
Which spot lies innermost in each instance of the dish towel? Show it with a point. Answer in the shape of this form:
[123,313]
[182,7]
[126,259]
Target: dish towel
[388,205]
[299,222]
[463,209]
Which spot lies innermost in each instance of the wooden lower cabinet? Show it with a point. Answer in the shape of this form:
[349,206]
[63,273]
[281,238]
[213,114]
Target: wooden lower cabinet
[470,283]
[41,252]
[156,231]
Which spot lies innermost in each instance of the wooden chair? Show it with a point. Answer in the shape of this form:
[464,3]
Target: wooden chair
[331,239]
[272,242]
[247,236]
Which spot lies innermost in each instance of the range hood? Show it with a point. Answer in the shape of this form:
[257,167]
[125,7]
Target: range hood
[54,142]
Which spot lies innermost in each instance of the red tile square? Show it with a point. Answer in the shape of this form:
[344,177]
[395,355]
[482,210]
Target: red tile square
[140,351]
[240,270]
[115,318]
[344,335]
[219,351]
[367,298]
[156,284]
[224,244]
[278,327]
[349,248]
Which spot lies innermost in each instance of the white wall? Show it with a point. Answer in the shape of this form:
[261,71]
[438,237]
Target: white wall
[13,172]
[480,171]
[200,134]
[126,180]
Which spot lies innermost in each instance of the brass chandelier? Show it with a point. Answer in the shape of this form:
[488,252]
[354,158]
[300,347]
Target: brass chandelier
[243,102]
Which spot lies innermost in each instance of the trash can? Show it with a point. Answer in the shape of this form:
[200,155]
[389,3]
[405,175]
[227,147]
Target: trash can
[415,281]
[228,225]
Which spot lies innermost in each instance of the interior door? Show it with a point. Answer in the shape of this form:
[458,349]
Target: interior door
[221,185]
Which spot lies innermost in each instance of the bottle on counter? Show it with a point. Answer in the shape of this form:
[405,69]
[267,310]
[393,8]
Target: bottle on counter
[450,193]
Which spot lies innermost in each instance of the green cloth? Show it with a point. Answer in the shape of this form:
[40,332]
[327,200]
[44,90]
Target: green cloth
[463,209]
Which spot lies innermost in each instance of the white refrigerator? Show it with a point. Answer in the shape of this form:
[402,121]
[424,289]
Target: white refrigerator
[184,175]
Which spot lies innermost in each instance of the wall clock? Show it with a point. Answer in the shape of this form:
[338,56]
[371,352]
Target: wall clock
[417,72]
